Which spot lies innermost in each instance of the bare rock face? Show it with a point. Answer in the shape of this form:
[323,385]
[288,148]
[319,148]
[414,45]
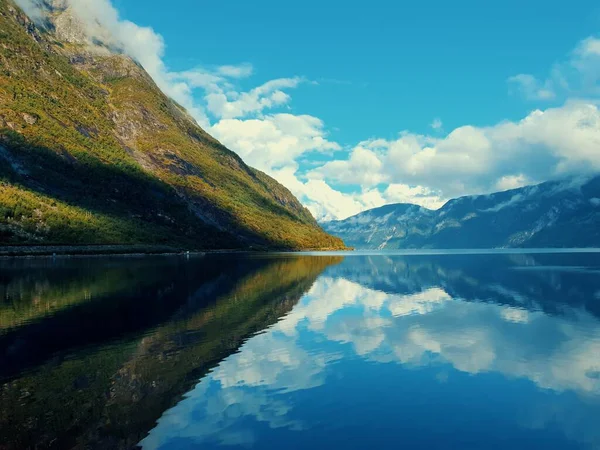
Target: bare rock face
[68,28]
[29,119]
[68,24]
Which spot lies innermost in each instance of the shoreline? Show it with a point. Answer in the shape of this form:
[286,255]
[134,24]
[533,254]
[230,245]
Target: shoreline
[50,251]
[74,251]
[56,251]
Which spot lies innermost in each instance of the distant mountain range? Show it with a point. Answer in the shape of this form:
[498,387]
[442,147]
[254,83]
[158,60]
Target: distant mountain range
[553,214]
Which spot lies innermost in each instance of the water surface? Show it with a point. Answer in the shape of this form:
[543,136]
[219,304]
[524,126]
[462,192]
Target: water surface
[462,350]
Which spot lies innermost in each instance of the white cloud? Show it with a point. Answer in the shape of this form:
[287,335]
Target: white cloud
[363,167]
[418,195]
[327,203]
[202,78]
[578,76]
[531,88]
[516,315]
[33,8]
[589,46]
[239,71]
[545,144]
[511,182]
[273,141]
[436,124]
[233,104]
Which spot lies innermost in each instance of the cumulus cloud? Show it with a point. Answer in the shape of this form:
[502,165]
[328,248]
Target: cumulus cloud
[233,104]
[436,124]
[418,195]
[545,144]
[325,202]
[428,170]
[239,71]
[273,141]
[203,78]
[531,88]
[363,167]
[577,76]
[511,182]
[589,47]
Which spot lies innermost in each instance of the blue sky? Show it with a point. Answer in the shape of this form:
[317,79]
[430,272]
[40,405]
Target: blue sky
[353,105]
[398,64]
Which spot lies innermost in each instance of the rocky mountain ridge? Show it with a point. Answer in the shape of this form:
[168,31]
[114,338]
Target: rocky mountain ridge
[562,213]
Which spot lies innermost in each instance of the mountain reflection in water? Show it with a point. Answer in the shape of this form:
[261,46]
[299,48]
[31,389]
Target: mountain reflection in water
[292,351]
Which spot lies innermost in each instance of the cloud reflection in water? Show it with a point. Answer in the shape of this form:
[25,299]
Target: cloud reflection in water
[342,324]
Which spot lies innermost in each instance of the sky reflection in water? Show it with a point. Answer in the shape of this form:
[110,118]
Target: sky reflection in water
[413,351]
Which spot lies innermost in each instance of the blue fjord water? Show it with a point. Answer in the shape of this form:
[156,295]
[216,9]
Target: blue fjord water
[468,350]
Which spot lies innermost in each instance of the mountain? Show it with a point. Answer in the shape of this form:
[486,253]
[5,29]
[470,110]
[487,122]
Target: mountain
[553,214]
[92,152]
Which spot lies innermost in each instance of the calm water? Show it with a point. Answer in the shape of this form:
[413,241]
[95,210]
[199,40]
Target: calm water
[459,351]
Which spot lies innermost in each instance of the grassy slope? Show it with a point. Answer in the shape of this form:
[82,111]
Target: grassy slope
[94,152]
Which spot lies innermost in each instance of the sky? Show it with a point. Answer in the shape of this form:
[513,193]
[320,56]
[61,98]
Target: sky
[353,105]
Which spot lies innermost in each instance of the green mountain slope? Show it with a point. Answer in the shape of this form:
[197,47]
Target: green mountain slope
[92,152]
